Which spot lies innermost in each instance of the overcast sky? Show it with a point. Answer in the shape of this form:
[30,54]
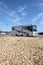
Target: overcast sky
[20,12]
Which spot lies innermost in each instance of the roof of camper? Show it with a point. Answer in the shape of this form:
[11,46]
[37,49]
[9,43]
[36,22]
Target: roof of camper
[23,25]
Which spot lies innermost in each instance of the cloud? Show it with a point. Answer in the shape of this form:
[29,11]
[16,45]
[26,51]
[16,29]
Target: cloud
[39,16]
[11,15]
[40,4]
[38,0]
[4,8]
[21,9]
[3,5]
[41,22]
[12,20]
[23,13]
[38,19]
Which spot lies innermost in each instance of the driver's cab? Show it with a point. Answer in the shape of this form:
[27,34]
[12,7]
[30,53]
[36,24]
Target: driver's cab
[34,29]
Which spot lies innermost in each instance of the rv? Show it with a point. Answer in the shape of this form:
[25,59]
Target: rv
[24,30]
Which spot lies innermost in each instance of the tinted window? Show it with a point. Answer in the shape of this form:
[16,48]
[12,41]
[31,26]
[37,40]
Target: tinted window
[29,28]
[13,28]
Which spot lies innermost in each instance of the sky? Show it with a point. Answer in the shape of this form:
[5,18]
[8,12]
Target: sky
[21,12]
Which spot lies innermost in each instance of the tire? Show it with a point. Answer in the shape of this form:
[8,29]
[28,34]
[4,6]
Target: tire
[27,35]
[15,34]
[21,34]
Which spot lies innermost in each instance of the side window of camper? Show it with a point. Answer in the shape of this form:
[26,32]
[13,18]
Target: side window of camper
[29,28]
[13,28]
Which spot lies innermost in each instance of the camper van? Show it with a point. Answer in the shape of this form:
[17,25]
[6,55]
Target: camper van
[24,30]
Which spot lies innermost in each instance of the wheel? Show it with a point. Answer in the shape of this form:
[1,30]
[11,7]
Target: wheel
[15,34]
[27,34]
[21,34]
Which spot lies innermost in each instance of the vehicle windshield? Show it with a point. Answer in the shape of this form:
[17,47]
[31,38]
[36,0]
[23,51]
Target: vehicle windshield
[34,28]
[31,28]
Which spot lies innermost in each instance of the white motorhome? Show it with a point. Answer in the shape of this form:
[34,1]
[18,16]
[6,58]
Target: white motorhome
[24,30]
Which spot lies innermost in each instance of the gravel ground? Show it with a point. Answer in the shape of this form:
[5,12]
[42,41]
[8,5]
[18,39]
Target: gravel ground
[21,50]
